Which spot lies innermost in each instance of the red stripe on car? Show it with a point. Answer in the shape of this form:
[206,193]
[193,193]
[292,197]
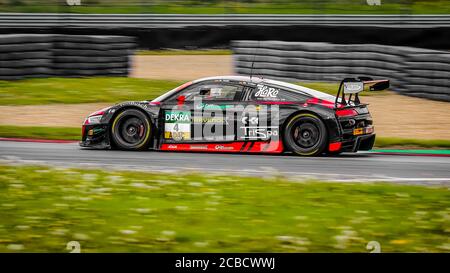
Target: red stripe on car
[258,147]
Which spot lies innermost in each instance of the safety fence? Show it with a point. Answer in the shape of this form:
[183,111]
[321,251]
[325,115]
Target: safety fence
[46,55]
[143,21]
[412,71]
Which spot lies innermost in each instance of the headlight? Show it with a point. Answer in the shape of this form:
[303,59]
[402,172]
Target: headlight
[93,119]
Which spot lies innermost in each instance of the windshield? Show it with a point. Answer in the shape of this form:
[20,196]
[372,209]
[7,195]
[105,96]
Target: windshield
[292,87]
[171,92]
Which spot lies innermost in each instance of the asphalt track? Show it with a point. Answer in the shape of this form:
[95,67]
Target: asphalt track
[346,168]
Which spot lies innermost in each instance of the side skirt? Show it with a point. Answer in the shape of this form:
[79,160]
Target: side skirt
[272,147]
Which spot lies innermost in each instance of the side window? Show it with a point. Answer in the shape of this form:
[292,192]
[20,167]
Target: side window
[272,93]
[213,91]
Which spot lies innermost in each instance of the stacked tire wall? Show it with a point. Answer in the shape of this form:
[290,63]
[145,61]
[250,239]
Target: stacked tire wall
[412,71]
[47,55]
[25,56]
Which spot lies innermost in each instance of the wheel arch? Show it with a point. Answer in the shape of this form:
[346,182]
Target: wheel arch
[299,112]
[302,111]
[127,107]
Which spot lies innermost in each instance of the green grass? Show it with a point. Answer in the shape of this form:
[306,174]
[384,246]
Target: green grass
[102,89]
[172,52]
[43,208]
[383,142]
[81,90]
[254,7]
[59,133]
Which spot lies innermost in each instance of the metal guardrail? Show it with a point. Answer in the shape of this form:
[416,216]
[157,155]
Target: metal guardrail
[61,20]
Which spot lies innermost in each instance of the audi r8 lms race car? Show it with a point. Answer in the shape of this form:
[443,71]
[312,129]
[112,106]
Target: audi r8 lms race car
[240,114]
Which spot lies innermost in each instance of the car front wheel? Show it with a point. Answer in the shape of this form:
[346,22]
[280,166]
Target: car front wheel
[131,130]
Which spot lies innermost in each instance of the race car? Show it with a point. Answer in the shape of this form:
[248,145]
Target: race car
[239,114]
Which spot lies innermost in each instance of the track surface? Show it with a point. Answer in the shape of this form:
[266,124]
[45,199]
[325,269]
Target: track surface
[348,167]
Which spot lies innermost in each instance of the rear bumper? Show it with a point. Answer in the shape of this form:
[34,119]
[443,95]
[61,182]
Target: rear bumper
[356,133]
[359,143]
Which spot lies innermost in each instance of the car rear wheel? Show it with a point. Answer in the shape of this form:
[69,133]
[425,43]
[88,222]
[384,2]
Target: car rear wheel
[305,134]
[131,130]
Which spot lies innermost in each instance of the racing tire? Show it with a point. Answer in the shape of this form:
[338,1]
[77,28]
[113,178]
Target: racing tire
[25,47]
[103,39]
[82,66]
[305,134]
[25,38]
[26,55]
[90,52]
[131,130]
[81,59]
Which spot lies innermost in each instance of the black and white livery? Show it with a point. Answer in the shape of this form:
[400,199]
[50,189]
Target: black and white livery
[240,114]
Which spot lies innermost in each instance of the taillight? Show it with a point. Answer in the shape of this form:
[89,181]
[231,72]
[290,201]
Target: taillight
[346,112]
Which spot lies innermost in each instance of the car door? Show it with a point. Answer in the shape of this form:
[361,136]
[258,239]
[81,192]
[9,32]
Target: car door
[272,103]
[260,120]
[202,112]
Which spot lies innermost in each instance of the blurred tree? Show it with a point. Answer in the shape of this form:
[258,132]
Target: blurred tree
[16,2]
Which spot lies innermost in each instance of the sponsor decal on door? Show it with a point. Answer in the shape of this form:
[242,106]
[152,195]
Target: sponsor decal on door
[177,125]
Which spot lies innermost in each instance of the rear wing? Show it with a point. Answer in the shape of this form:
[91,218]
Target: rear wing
[354,86]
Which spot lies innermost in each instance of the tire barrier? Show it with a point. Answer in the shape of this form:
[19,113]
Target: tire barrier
[412,71]
[46,55]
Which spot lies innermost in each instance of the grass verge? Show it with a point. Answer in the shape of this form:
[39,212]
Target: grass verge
[242,7]
[382,142]
[44,208]
[81,90]
[102,89]
[57,133]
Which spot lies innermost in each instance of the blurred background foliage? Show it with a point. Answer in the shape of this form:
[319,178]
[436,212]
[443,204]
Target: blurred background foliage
[230,6]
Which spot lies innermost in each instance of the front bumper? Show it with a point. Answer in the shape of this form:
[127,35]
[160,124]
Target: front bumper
[95,136]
